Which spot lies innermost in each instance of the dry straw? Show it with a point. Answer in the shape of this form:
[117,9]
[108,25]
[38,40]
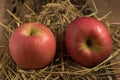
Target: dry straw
[57,15]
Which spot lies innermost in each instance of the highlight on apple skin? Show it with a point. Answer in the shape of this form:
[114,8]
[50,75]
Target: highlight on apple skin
[32,45]
[88,41]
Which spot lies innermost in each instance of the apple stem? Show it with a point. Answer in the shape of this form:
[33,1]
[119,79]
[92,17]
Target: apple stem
[32,33]
[89,42]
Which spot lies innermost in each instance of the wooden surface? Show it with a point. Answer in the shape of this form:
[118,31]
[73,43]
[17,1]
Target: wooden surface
[104,6]
[1,18]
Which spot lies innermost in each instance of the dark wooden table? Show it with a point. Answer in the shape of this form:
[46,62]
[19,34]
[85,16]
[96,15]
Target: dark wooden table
[104,6]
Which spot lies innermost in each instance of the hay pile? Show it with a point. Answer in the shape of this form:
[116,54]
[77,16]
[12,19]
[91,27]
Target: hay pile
[57,15]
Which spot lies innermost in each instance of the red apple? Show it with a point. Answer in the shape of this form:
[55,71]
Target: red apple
[32,45]
[88,41]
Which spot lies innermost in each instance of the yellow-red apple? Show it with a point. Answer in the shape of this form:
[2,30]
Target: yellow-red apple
[88,41]
[32,45]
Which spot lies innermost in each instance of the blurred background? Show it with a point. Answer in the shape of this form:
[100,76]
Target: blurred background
[104,6]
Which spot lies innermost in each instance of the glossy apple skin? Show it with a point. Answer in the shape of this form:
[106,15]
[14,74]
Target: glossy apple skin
[81,29]
[32,51]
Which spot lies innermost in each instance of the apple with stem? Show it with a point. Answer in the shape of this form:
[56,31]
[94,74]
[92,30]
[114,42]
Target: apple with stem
[88,41]
[32,45]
